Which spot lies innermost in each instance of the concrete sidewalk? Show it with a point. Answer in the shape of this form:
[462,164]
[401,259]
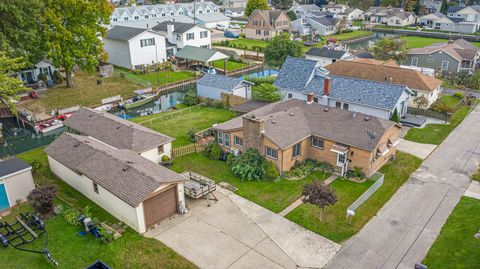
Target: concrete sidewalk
[420,150]
[404,229]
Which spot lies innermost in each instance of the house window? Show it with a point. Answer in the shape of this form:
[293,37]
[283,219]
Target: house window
[338,104]
[146,16]
[203,34]
[317,142]
[125,18]
[136,17]
[115,19]
[345,106]
[147,42]
[290,96]
[95,187]
[154,15]
[271,153]
[315,99]
[259,32]
[163,14]
[190,36]
[445,65]
[220,138]
[255,23]
[265,33]
[414,61]
[160,149]
[226,139]
[238,141]
[172,14]
[296,150]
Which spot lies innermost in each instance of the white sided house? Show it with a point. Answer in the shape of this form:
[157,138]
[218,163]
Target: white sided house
[120,133]
[214,86]
[134,47]
[182,34]
[133,189]
[31,76]
[16,182]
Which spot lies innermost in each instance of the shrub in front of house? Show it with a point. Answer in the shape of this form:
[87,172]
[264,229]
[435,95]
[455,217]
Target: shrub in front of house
[302,169]
[459,95]
[249,166]
[215,152]
[165,159]
[355,173]
[441,107]
[57,77]
[271,172]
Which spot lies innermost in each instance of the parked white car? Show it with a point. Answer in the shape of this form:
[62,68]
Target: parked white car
[235,26]
[221,27]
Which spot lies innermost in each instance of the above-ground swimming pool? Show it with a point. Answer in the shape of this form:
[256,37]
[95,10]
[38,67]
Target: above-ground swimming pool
[263,73]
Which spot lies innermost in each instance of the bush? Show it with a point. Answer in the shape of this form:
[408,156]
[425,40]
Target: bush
[459,95]
[356,172]
[57,76]
[215,152]
[395,117]
[42,77]
[190,98]
[70,215]
[41,199]
[165,159]
[441,107]
[191,134]
[266,92]
[249,165]
[271,171]
[230,158]
[302,169]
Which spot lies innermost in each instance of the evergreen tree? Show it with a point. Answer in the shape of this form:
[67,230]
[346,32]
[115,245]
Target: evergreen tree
[444,7]
[253,5]
[395,116]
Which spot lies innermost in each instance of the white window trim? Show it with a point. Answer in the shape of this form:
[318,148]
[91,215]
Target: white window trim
[317,138]
[414,59]
[235,141]
[446,68]
[271,157]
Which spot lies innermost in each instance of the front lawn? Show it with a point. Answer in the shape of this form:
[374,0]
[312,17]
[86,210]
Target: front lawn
[335,226]
[456,246]
[86,93]
[70,250]
[179,125]
[231,65]
[274,196]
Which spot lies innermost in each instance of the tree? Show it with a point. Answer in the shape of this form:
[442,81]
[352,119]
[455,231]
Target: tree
[421,102]
[416,7]
[444,7]
[41,199]
[291,14]
[320,194]
[282,4]
[73,28]
[342,24]
[253,5]
[386,49]
[266,92]
[279,47]
[249,165]
[395,116]
[190,98]
[9,84]
[21,33]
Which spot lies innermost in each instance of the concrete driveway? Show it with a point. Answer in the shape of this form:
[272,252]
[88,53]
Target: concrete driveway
[236,233]
[420,150]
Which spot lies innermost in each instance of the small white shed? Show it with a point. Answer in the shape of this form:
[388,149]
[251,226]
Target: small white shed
[16,182]
[212,86]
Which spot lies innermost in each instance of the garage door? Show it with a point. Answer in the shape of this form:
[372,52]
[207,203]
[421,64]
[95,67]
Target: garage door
[161,206]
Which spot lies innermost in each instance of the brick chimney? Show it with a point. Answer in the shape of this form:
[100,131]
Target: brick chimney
[310,97]
[253,128]
[326,86]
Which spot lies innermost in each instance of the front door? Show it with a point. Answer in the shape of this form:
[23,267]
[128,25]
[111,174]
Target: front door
[342,162]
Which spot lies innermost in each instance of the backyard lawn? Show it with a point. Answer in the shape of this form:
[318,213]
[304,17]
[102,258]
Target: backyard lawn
[231,65]
[72,251]
[420,42]
[335,225]
[178,126]
[436,133]
[157,78]
[86,93]
[274,196]
[249,44]
[349,35]
[456,245]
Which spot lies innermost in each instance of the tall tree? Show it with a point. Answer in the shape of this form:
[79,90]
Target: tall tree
[10,85]
[282,4]
[279,47]
[73,28]
[387,48]
[416,7]
[291,14]
[21,33]
[253,5]
[320,194]
[444,7]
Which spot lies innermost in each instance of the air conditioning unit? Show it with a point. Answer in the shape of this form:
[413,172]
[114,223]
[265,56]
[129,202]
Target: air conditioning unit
[235,152]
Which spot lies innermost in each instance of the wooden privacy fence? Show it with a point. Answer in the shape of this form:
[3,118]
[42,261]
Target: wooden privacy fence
[177,86]
[244,70]
[192,148]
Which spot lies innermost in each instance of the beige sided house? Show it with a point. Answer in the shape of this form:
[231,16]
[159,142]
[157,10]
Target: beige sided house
[120,133]
[133,189]
[294,130]
[265,24]
[16,182]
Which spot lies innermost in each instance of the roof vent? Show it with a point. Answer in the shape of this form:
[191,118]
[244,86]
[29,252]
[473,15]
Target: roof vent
[125,169]
[273,121]
[129,162]
[77,144]
[367,118]
[118,127]
[290,113]
[326,109]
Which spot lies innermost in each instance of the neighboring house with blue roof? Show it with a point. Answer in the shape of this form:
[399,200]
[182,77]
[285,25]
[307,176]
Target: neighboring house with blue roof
[299,78]
[214,86]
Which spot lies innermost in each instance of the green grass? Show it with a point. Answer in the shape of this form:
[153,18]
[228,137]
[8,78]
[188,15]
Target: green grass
[274,196]
[349,35]
[436,133]
[476,176]
[178,126]
[358,23]
[160,77]
[231,65]
[335,225]
[448,84]
[420,42]
[456,246]
[248,44]
[71,251]
[449,100]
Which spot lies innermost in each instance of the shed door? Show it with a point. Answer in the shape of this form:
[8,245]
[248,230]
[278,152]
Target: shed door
[3,198]
[161,206]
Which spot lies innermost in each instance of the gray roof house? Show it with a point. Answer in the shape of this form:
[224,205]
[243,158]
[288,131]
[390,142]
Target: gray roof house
[321,23]
[16,182]
[127,185]
[326,56]
[216,86]
[300,77]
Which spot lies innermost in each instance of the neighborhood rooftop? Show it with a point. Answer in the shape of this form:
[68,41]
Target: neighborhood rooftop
[123,32]
[220,81]
[11,166]
[290,121]
[115,131]
[326,52]
[458,49]
[124,173]
[296,74]
[178,27]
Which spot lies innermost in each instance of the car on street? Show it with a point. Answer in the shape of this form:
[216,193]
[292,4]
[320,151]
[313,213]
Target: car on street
[234,26]
[231,34]
[221,27]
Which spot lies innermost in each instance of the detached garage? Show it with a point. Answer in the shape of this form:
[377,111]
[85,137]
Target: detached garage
[216,86]
[135,190]
[16,182]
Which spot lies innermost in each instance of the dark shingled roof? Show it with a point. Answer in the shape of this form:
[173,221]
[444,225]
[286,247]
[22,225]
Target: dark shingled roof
[327,21]
[454,9]
[178,27]
[122,172]
[220,81]
[293,120]
[123,33]
[115,131]
[326,52]
[11,166]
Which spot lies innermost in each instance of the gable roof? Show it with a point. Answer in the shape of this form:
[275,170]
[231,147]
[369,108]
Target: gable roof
[458,49]
[123,33]
[291,121]
[127,175]
[384,73]
[326,52]
[115,131]
[12,166]
[200,54]
[178,27]
[270,15]
[308,7]
[326,21]
[220,81]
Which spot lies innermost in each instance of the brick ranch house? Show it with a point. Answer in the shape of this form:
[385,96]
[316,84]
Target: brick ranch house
[294,130]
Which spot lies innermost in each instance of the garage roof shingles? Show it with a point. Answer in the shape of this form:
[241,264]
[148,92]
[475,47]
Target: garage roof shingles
[115,131]
[122,172]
